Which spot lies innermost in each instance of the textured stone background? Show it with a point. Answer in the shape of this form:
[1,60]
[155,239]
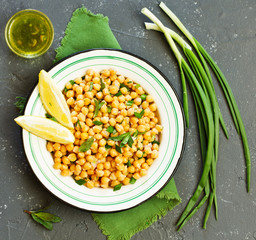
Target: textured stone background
[227,29]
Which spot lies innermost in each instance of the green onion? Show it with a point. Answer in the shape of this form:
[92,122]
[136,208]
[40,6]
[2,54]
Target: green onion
[155,142]
[143,97]
[132,180]
[129,103]
[139,115]
[97,123]
[224,84]
[85,146]
[102,84]
[202,97]
[98,105]
[117,187]
[91,86]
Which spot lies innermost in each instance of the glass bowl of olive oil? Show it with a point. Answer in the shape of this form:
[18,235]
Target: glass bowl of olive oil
[29,33]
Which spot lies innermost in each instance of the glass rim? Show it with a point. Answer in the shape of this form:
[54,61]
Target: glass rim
[7,34]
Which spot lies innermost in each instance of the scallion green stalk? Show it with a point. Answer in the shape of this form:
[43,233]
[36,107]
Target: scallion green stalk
[225,87]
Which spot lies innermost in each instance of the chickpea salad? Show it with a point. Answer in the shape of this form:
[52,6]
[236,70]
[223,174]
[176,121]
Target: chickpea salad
[116,128]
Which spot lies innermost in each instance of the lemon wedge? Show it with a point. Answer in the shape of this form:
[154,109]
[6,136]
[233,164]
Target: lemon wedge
[46,128]
[53,100]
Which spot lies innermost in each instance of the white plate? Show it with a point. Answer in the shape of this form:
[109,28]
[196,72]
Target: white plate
[171,142]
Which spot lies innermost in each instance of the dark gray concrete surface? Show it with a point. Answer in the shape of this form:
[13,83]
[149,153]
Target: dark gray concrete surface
[227,29]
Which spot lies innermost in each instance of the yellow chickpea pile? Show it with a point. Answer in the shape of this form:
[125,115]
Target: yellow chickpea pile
[102,166]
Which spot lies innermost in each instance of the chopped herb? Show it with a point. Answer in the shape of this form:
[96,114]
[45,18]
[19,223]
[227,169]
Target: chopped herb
[65,90]
[155,142]
[97,123]
[117,187]
[125,140]
[118,94]
[120,137]
[101,104]
[47,115]
[141,133]
[85,146]
[78,122]
[130,141]
[129,103]
[91,86]
[136,133]
[109,108]
[98,105]
[123,85]
[118,148]
[137,86]
[102,84]
[114,132]
[72,82]
[143,97]
[139,115]
[44,218]
[129,82]
[20,103]
[81,181]
[132,180]
[129,163]
[110,129]
[107,146]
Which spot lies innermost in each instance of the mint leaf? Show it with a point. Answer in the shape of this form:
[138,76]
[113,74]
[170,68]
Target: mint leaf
[120,137]
[48,217]
[46,224]
[155,142]
[139,115]
[81,181]
[97,123]
[110,129]
[117,187]
[85,146]
[118,149]
[118,94]
[132,180]
[129,103]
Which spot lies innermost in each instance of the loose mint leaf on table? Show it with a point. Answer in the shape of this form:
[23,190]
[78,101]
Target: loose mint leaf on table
[44,218]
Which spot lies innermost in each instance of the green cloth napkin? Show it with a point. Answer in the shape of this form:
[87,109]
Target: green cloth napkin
[84,31]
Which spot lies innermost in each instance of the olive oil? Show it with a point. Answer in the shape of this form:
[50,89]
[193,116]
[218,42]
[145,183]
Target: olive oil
[29,33]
